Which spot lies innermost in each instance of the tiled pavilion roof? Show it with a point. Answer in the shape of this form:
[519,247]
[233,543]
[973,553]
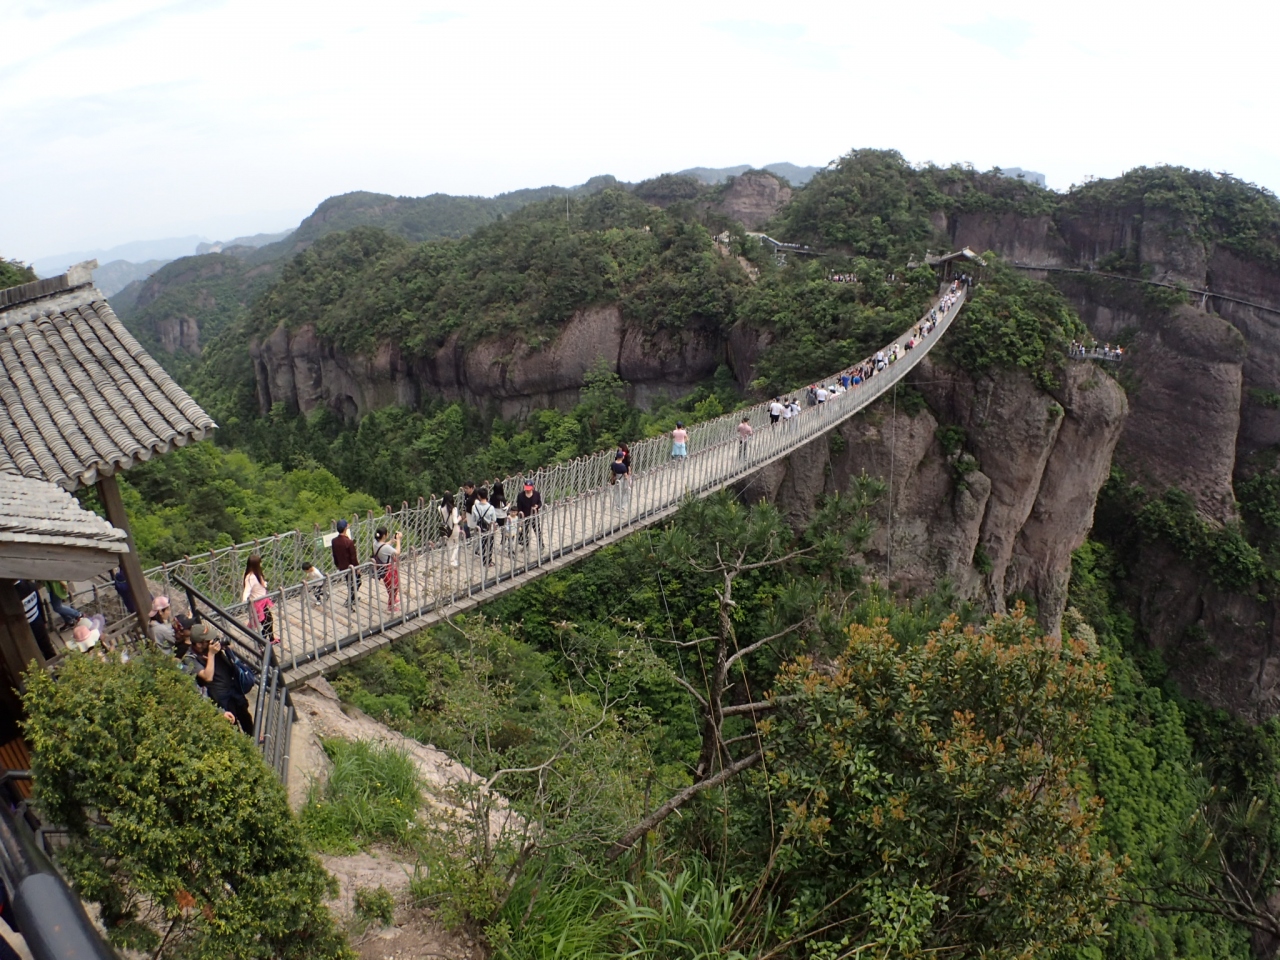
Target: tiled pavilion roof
[80,399]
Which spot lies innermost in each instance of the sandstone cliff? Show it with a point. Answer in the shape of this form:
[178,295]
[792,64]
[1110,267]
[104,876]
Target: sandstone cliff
[297,369]
[1200,380]
[997,519]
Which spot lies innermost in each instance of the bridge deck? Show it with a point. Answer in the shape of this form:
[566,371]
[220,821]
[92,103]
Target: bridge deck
[317,630]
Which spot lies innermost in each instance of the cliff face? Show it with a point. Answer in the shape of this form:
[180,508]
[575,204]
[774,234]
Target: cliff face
[753,198]
[1201,378]
[998,519]
[297,369]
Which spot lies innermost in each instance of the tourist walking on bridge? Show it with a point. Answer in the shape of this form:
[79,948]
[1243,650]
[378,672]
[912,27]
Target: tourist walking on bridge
[744,435]
[452,526]
[620,478]
[679,442]
[528,506]
[484,520]
[255,594]
[386,564]
[346,562]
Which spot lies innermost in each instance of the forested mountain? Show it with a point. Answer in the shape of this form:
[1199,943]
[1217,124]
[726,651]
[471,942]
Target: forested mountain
[1106,765]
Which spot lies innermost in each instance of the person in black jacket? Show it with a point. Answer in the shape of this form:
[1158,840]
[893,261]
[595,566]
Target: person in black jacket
[217,675]
[344,558]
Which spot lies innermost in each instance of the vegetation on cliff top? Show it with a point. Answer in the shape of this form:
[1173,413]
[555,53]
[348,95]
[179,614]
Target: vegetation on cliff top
[526,275]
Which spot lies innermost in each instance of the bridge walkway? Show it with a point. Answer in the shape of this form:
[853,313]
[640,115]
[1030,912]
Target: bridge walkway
[317,630]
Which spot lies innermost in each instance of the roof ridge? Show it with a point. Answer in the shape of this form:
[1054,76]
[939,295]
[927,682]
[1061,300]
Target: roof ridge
[79,275]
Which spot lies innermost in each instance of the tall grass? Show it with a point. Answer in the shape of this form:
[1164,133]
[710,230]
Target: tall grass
[573,920]
[372,795]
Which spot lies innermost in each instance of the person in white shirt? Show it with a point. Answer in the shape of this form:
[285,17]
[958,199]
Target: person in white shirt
[775,411]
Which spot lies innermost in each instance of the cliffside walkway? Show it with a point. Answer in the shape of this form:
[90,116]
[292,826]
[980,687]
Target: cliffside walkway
[316,628]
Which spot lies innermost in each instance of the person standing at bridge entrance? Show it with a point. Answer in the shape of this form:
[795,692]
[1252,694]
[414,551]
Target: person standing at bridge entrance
[346,562]
[744,436]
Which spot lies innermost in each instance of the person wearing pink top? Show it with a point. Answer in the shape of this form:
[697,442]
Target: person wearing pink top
[744,434]
[679,442]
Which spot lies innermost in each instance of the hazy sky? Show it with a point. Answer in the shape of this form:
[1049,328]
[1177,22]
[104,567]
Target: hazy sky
[136,119]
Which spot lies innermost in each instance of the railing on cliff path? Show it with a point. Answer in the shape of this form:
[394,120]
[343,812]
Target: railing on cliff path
[317,629]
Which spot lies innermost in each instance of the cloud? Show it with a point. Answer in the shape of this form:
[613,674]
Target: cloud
[1005,37]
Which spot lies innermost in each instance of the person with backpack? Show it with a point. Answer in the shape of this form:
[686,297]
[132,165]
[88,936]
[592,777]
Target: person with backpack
[218,676]
[255,594]
[386,564]
[346,562]
[485,520]
[452,523]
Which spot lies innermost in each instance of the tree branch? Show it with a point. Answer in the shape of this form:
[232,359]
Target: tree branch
[752,648]
[758,707]
[664,811]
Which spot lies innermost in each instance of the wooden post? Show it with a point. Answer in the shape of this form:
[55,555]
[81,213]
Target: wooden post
[109,493]
[17,643]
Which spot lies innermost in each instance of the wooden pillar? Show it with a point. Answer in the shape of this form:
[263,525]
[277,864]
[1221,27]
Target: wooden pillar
[17,643]
[109,494]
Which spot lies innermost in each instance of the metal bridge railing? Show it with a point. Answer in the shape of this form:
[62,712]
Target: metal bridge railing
[314,621]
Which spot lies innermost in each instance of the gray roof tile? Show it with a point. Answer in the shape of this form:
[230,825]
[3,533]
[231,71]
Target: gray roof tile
[80,398]
[37,512]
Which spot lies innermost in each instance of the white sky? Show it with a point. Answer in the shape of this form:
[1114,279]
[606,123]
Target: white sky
[136,119]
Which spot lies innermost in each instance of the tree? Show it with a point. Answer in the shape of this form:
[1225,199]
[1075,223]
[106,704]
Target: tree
[720,545]
[927,796]
[179,831]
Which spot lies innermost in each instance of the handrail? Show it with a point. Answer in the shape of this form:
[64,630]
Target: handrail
[50,917]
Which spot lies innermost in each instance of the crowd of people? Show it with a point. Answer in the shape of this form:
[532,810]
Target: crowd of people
[1091,349]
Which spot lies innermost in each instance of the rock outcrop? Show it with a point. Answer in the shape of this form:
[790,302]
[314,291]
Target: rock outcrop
[296,368]
[1203,384]
[998,519]
[753,198]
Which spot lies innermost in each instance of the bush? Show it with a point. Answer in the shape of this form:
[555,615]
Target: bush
[373,794]
[176,823]
[375,906]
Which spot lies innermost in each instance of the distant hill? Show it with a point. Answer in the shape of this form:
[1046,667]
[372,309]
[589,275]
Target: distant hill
[796,176]
[255,241]
[114,276]
[139,251]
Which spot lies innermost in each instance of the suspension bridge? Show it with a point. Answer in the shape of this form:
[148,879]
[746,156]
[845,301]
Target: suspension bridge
[317,628]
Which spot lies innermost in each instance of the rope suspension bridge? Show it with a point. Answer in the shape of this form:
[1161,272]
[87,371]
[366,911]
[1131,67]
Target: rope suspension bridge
[316,627]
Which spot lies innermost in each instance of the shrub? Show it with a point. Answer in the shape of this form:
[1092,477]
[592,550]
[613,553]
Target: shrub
[176,823]
[375,906]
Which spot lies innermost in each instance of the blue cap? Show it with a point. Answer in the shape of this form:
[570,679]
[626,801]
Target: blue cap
[342,525]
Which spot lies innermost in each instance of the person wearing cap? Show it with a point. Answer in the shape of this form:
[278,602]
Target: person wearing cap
[161,623]
[216,675]
[85,636]
[528,506]
[345,559]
